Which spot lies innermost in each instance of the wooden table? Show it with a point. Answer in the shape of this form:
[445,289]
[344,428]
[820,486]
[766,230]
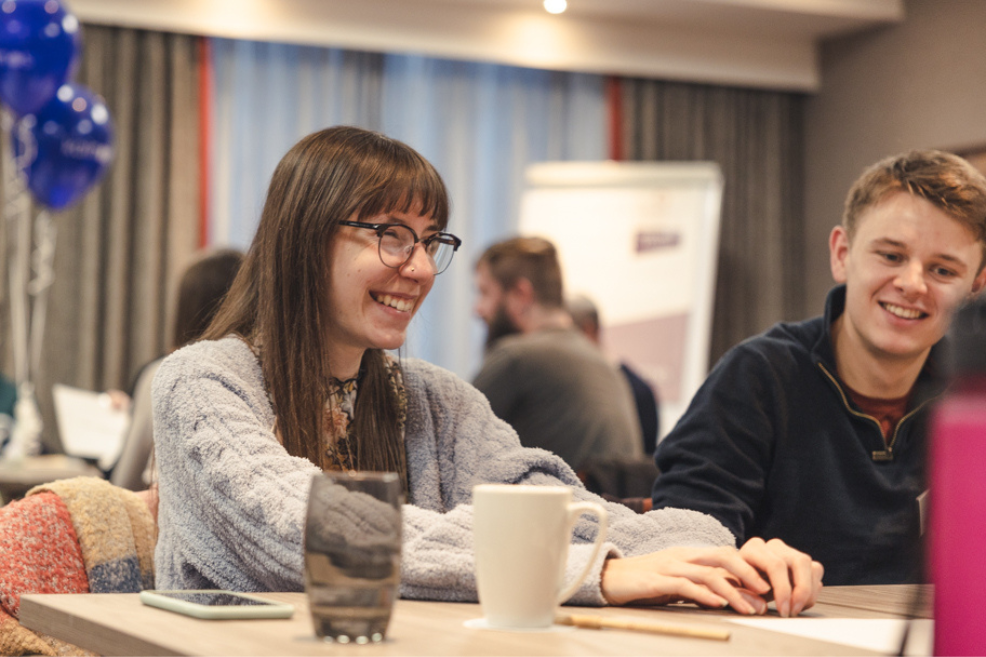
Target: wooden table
[19,477]
[118,624]
[906,601]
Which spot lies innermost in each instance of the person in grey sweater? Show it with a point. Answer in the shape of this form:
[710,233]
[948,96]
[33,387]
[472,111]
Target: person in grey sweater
[293,377]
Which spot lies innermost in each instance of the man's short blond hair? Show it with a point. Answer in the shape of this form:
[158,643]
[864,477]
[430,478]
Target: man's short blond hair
[945,180]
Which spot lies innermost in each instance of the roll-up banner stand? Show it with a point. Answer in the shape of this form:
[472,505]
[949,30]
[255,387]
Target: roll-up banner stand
[641,240]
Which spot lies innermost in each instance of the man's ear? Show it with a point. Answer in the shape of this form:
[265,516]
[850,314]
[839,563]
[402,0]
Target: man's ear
[979,282]
[838,253]
[519,298]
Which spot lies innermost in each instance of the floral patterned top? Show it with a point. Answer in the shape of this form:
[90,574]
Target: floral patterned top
[339,409]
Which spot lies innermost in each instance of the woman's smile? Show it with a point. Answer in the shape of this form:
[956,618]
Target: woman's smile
[401,303]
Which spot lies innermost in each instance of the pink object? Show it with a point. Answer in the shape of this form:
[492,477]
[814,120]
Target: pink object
[958,517]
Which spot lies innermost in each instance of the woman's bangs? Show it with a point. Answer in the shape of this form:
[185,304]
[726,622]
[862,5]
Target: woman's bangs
[407,189]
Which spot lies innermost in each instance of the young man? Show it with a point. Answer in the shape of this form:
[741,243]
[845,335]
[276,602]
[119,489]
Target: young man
[813,432]
[540,374]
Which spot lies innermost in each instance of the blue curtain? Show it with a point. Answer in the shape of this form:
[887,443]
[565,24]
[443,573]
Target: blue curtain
[479,124]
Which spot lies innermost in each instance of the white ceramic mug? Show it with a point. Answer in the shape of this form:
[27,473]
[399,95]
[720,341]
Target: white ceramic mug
[521,536]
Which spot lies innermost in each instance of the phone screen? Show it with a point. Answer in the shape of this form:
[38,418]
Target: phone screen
[218,599]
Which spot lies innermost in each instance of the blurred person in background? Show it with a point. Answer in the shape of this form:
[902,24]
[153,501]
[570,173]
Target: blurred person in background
[200,292]
[8,397]
[541,375]
[585,315]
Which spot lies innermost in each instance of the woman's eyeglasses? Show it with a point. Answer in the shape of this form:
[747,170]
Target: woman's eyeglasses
[397,243]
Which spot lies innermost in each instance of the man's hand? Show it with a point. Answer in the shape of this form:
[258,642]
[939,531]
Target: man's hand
[716,577]
[795,579]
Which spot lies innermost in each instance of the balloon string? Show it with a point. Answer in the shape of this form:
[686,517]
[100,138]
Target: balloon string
[28,142]
[44,252]
[44,276]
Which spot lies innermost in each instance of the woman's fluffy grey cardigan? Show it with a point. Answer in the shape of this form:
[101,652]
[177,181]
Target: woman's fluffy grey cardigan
[232,508]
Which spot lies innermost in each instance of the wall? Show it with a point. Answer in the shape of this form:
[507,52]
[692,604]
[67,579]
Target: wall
[919,84]
[730,42]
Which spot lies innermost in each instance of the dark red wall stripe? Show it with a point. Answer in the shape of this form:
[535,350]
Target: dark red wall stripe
[615,101]
[205,136]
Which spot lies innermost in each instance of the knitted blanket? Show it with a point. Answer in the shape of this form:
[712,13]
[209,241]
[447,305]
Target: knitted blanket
[72,536]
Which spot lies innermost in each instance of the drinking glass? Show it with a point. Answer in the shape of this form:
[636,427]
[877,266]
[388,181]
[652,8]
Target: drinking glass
[353,554]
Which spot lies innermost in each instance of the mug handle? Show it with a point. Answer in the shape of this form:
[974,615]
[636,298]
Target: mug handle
[575,510]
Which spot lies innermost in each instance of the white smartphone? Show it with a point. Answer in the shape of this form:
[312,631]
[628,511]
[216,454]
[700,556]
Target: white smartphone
[216,605]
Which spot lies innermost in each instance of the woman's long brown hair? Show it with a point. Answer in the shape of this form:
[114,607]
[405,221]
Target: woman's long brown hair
[279,300]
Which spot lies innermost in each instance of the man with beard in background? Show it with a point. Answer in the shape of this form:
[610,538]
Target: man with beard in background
[541,375]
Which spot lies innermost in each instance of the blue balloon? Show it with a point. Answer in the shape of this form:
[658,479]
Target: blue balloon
[39,46]
[66,147]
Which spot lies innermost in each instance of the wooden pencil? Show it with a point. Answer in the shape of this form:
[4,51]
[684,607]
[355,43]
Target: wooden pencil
[593,622]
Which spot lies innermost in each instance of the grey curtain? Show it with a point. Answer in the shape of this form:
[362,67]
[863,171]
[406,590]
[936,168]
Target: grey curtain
[121,250]
[756,137]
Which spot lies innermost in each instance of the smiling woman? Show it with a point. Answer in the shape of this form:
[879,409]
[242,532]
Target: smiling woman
[308,300]
[293,377]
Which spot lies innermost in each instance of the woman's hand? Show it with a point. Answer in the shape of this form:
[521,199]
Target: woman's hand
[116,400]
[716,577]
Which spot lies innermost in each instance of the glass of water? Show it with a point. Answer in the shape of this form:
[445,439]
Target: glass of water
[353,554]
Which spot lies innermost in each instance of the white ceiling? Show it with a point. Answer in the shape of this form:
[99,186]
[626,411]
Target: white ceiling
[759,43]
[765,18]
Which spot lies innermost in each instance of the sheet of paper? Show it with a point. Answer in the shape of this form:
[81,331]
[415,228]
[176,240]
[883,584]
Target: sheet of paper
[878,634]
[88,425]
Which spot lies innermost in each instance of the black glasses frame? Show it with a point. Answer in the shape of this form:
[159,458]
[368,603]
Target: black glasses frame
[380,229]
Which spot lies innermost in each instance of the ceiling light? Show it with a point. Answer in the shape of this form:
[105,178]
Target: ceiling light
[555,6]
